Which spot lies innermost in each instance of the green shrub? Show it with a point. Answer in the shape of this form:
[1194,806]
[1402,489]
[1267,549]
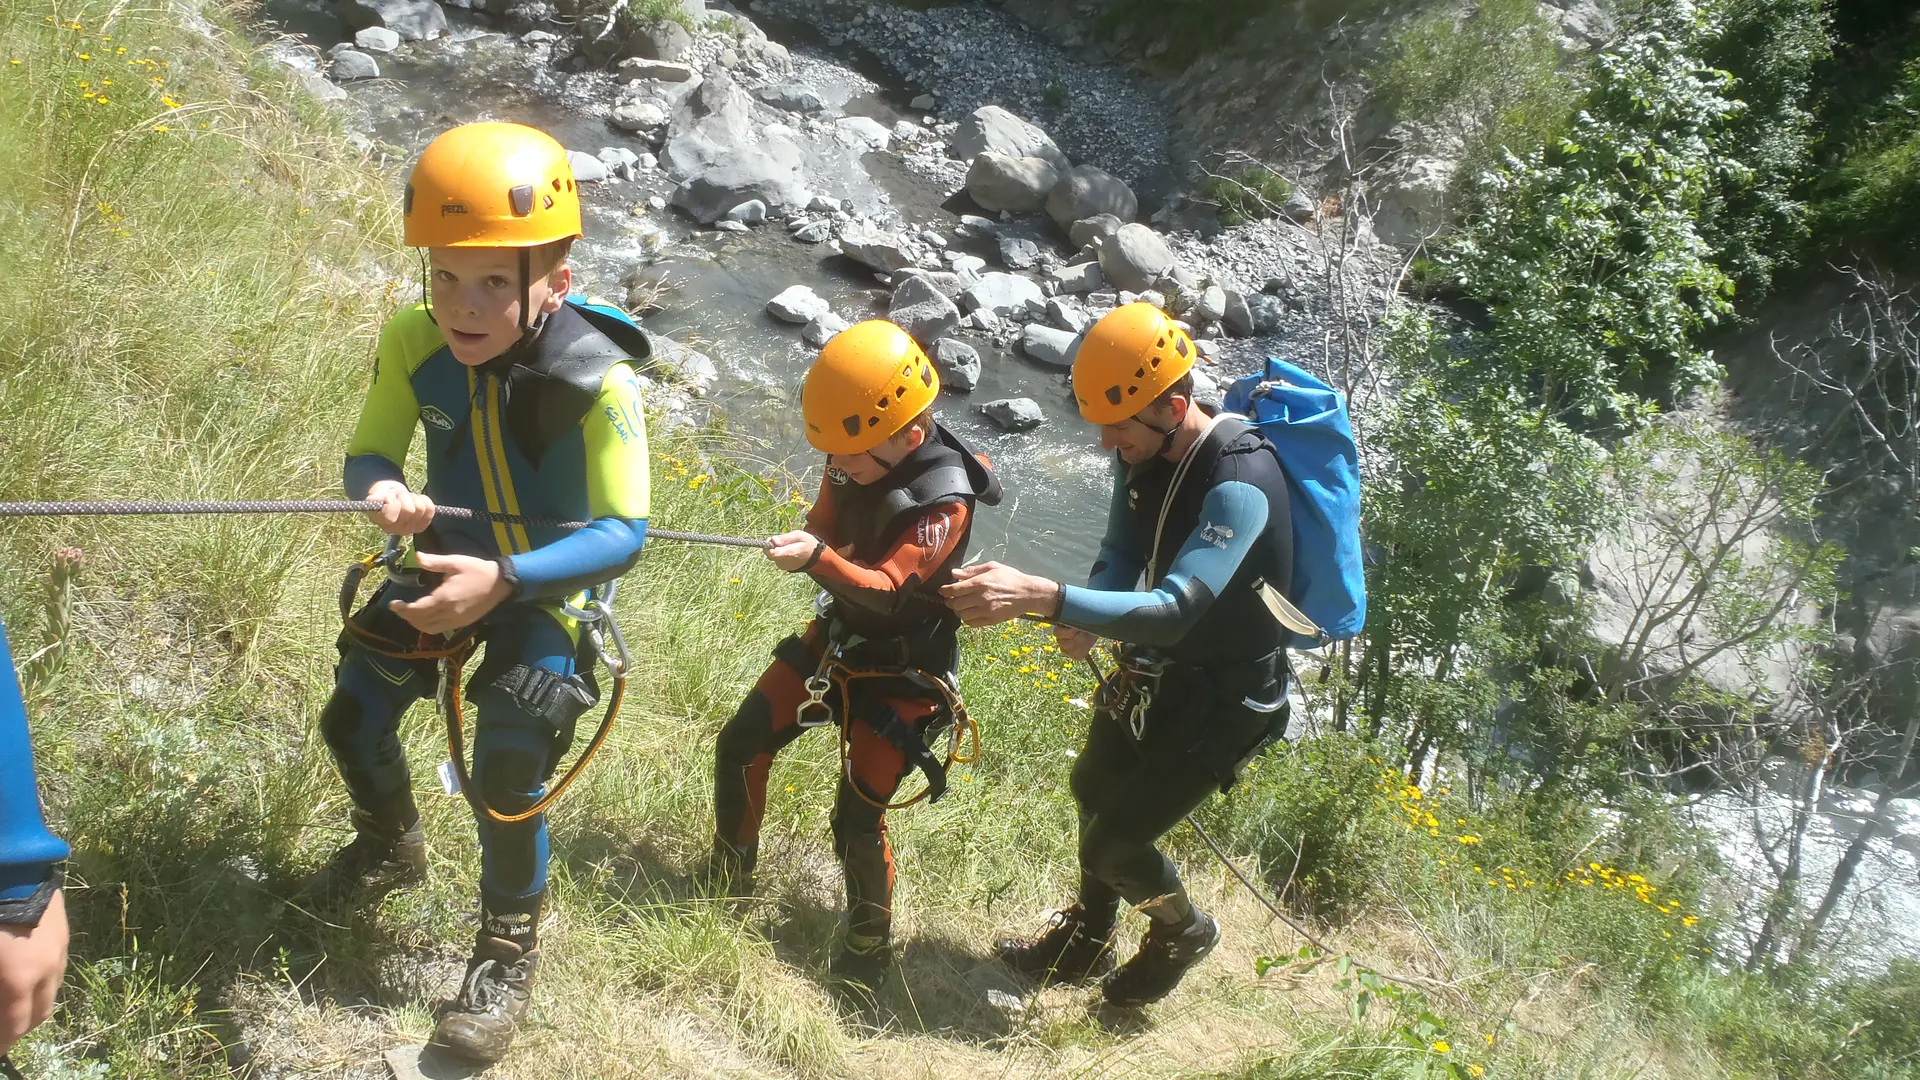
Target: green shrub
[1246,193]
[1319,814]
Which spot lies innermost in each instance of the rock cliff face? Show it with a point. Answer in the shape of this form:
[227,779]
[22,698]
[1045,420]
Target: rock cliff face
[1276,86]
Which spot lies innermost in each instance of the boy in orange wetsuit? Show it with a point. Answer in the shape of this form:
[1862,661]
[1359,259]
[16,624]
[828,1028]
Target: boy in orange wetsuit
[890,524]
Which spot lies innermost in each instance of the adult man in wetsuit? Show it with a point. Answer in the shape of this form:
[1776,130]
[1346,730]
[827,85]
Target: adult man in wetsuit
[33,913]
[1203,681]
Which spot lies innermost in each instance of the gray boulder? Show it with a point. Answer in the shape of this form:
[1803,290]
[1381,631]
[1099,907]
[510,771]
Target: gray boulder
[1298,207]
[862,131]
[1001,294]
[1077,278]
[1206,389]
[727,224]
[950,285]
[874,249]
[994,128]
[1014,414]
[1134,257]
[639,69]
[413,20]
[822,329]
[1084,191]
[1066,313]
[377,39]
[320,86]
[1266,313]
[751,212]
[1084,232]
[1238,317]
[1211,305]
[677,363]
[1019,184]
[641,117]
[793,97]
[661,40]
[350,64]
[922,103]
[1018,253]
[798,304]
[1048,346]
[959,363]
[919,308]
[722,157]
[586,168]
[814,232]
[968,266]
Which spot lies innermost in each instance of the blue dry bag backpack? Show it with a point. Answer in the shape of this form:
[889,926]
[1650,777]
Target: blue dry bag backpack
[1306,421]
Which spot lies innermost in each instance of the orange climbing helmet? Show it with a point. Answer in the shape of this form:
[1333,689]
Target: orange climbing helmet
[1127,359]
[491,185]
[870,381]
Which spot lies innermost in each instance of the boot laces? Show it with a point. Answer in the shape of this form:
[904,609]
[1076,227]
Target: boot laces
[487,983]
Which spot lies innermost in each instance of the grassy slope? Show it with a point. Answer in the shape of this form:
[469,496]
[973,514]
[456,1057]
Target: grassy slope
[191,314]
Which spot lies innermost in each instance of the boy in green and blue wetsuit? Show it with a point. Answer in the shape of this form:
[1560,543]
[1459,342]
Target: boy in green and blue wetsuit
[530,406]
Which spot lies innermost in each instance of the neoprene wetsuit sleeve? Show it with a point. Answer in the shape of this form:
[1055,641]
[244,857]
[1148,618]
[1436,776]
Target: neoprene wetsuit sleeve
[378,449]
[27,850]
[1118,566]
[618,492]
[1232,517]
[921,547]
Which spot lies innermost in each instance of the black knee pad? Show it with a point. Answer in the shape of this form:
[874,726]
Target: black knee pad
[507,777]
[340,721]
[855,828]
[746,736]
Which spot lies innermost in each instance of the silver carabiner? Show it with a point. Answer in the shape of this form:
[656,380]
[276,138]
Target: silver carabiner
[602,627]
[818,687]
[1137,716]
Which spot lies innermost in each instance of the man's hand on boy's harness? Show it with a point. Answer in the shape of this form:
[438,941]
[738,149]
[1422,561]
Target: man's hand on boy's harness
[469,588]
[994,593]
[402,512]
[1074,644]
[32,960]
[794,551]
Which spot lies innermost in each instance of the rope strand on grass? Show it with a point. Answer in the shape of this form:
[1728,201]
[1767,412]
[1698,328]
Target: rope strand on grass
[161,507]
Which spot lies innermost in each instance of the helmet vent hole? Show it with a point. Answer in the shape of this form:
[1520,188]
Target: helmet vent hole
[556,183]
[852,424]
[883,403]
[522,199]
[926,375]
[1180,346]
[1114,396]
[1140,373]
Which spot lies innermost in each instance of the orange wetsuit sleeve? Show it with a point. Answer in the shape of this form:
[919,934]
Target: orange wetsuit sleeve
[916,554]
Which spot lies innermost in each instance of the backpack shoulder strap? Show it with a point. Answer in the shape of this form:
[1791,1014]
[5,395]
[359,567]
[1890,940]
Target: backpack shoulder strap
[1222,429]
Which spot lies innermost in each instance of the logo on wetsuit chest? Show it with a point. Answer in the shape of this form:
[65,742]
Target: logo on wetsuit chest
[1133,498]
[1217,535]
[432,415]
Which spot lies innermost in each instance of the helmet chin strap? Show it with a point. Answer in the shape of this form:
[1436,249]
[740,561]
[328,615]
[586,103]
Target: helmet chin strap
[1166,435]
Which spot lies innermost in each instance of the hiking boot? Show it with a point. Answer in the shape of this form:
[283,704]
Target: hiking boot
[377,861]
[859,974]
[479,1024]
[1166,954]
[1069,950]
